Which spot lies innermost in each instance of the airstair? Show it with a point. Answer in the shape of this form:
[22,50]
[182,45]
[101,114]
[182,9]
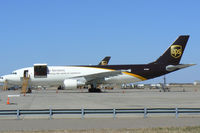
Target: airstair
[25,84]
[5,86]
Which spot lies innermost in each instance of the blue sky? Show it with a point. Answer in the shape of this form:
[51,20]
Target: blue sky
[82,32]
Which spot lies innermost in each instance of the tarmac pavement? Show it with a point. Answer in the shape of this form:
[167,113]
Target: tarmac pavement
[119,98]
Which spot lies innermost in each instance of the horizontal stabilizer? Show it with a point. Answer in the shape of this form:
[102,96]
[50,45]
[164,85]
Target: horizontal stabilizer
[176,67]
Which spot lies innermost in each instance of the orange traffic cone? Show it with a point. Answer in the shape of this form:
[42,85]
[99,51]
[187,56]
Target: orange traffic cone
[8,101]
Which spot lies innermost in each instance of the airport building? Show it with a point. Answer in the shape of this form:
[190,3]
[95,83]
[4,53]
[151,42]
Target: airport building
[197,82]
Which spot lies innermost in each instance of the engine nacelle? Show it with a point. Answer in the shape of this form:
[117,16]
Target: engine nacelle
[72,84]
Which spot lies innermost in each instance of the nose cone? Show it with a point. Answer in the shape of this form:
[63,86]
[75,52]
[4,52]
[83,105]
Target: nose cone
[2,79]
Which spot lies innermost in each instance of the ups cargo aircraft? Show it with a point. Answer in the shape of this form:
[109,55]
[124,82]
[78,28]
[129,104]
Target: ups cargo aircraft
[71,77]
[105,61]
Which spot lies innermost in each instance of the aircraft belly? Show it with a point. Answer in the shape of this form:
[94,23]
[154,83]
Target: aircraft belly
[49,81]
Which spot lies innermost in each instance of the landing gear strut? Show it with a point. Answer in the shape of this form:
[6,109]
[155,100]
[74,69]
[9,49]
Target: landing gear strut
[94,89]
[60,88]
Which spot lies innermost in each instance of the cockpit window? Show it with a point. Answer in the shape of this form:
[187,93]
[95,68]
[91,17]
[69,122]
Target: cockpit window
[1,77]
[14,73]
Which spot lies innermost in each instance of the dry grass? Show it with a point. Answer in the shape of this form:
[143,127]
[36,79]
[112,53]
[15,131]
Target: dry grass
[145,130]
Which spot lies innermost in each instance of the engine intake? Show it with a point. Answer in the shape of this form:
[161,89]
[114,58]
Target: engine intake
[72,84]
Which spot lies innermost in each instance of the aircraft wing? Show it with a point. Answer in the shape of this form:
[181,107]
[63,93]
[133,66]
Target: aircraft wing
[101,76]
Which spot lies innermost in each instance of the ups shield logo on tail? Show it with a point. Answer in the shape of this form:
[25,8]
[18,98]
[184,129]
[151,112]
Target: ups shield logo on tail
[176,51]
[104,63]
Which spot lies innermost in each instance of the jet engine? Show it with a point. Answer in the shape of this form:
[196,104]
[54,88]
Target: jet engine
[72,84]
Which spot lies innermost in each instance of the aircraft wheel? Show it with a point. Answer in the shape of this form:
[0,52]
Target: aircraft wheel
[60,88]
[93,90]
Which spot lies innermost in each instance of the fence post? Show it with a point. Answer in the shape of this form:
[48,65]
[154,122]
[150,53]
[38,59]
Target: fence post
[50,113]
[145,112]
[18,114]
[176,112]
[82,113]
[114,113]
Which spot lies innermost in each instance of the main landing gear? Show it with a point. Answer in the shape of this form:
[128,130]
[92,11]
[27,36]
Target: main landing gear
[94,89]
[60,88]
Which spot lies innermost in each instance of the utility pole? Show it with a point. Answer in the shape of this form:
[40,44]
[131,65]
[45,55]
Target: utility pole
[165,84]
[164,78]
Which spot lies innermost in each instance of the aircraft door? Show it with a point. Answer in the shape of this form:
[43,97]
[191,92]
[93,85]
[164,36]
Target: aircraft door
[25,73]
[40,70]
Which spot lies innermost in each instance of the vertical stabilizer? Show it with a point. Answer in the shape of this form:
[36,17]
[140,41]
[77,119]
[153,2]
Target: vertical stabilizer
[173,54]
[105,61]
